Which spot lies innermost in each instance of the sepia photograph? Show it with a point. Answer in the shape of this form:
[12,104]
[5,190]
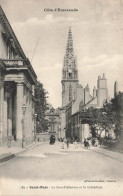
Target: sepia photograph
[61,97]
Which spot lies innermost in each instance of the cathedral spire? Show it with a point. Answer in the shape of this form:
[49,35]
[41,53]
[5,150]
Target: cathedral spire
[69,48]
[69,72]
[69,68]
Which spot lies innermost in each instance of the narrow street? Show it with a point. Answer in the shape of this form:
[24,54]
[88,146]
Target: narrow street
[51,163]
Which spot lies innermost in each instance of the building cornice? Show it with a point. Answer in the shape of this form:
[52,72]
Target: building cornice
[11,36]
[69,80]
[2,65]
[10,33]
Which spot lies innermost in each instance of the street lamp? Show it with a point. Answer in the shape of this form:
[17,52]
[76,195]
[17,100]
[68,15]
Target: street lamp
[23,128]
[35,116]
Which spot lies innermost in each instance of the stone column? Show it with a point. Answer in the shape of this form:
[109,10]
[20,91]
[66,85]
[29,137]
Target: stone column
[19,125]
[25,116]
[14,105]
[27,113]
[1,111]
[30,116]
[10,115]
[5,115]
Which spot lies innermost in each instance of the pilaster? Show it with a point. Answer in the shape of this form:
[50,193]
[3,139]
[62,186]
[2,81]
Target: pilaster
[5,114]
[19,125]
[10,115]
[30,114]
[1,111]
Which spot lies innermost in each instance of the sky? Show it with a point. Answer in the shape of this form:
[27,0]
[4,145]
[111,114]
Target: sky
[97,29]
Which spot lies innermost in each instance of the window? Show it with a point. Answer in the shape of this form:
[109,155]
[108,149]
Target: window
[70,93]
[70,75]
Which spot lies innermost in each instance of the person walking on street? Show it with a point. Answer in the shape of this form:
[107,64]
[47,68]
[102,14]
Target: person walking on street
[64,142]
[68,142]
[85,143]
[75,143]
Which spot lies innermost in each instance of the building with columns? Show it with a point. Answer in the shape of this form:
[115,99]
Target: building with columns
[75,97]
[17,84]
[53,117]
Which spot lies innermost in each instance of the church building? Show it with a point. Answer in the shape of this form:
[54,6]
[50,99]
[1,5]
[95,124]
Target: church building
[75,97]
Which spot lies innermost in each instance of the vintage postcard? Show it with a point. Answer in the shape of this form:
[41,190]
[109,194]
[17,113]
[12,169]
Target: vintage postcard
[61,97]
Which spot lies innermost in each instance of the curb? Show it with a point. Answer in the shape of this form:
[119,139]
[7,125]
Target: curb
[7,158]
[11,156]
[107,155]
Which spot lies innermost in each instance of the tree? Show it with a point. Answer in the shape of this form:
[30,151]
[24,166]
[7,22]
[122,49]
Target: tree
[90,116]
[117,108]
[99,119]
[107,118]
[41,107]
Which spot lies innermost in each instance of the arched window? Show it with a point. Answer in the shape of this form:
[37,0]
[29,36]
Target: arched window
[70,93]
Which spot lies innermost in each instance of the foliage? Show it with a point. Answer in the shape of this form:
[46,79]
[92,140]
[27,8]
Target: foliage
[90,116]
[117,104]
[107,118]
[40,107]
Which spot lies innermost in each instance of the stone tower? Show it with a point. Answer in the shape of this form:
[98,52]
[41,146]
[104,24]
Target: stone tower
[115,88]
[102,91]
[69,73]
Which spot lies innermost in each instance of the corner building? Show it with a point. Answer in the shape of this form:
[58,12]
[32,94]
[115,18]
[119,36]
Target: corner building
[17,84]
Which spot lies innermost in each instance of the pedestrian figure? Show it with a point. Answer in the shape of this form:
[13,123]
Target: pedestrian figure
[85,142]
[68,142]
[75,143]
[93,142]
[88,144]
[51,140]
[54,139]
[63,143]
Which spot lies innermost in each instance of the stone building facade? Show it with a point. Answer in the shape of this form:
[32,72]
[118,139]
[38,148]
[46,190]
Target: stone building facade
[99,96]
[17,84]
[57,121]
[69,73]
[75,97]
[53,117]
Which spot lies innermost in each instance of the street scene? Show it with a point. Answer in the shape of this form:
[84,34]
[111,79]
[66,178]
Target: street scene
[51,163]
[61,97]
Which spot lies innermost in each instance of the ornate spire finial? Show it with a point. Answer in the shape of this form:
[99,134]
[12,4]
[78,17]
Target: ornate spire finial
[69,59]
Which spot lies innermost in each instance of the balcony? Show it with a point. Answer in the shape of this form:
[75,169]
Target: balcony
[19,64]
[13,62]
